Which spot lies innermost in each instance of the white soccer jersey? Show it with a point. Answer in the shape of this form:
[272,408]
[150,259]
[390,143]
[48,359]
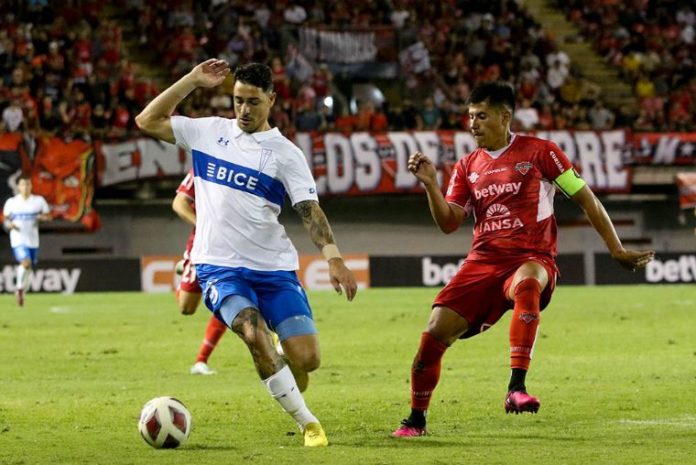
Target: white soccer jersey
[241,181]
[24,214]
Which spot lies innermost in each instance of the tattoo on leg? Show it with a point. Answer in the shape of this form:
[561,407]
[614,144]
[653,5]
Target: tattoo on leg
[253,331]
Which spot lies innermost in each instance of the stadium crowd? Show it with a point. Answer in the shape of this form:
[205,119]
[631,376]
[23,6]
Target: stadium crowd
[67,70]
[63,71]
[466,46]
[653,43]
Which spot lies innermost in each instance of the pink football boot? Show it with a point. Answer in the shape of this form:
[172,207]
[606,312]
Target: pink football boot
[520,401]
[406,430]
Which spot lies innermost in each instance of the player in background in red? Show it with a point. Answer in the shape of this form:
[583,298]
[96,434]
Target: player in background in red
[508,183]
[188,293]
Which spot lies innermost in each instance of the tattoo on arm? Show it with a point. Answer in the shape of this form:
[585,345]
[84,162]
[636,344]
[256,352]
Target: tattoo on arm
[315,222]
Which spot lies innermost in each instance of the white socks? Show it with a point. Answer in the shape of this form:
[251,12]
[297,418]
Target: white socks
[22,277]
[283,388]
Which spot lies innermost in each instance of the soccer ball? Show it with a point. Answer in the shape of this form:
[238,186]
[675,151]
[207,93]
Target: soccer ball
[165,423]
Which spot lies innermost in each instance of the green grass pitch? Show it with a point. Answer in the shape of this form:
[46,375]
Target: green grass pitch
[615,369]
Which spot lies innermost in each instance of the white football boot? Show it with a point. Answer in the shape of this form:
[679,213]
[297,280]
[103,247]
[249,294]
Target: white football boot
[201,368]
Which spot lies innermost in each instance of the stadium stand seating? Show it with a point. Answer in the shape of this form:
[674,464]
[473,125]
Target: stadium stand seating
[653,44]
[84,69]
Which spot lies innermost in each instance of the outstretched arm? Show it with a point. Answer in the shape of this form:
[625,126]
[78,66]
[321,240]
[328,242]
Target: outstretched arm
[320,232]
[593,208]
[447,216]
[182,207]
[155,119]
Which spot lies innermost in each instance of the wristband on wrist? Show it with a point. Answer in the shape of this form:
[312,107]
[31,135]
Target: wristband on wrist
[331,251]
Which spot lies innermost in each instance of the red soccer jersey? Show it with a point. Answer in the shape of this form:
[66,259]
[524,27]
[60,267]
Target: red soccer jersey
[511,196]
[186,188]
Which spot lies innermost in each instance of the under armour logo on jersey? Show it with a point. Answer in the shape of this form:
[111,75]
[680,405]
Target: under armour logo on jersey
[223,142]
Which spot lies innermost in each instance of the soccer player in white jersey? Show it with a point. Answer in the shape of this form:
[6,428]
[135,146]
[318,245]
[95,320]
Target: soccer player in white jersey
[22,215]
[245,262]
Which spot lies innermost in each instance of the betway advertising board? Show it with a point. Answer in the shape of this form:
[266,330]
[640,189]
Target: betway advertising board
[69,276]
[438,270]
[666,268]
[158,272]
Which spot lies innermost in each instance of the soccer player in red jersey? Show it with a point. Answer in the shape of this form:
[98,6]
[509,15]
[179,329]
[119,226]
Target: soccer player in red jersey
[508,184]
[188,293]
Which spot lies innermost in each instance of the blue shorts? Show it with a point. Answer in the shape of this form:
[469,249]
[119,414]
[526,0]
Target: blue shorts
[278,295]
[22,253]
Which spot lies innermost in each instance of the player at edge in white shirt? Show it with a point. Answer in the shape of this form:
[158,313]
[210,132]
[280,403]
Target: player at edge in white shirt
[244,260]
[22,215]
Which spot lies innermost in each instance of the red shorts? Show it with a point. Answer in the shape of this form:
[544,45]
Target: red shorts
[478,292]
[189,281]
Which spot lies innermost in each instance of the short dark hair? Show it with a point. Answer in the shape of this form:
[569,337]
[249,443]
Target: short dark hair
[495,93]
[256,74]
[25,177]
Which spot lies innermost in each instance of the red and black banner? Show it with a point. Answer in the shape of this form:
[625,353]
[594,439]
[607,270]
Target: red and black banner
[663,148]
[364,163]
[61,171]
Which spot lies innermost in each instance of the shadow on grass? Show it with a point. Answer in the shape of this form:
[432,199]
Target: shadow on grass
[387,442]
[198,447]
[527,437]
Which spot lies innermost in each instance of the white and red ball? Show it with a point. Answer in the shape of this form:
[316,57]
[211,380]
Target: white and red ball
[165,423]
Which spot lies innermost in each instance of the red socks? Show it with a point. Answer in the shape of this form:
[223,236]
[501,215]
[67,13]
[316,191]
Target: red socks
[524,324]
[425,372]
[213,333]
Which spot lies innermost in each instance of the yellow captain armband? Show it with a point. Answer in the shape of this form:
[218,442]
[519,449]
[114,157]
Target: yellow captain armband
[331,251]
[570,182]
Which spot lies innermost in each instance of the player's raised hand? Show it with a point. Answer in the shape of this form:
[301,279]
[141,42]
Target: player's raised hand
[422,167]
[634,259]
[342,278]
[210,73]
